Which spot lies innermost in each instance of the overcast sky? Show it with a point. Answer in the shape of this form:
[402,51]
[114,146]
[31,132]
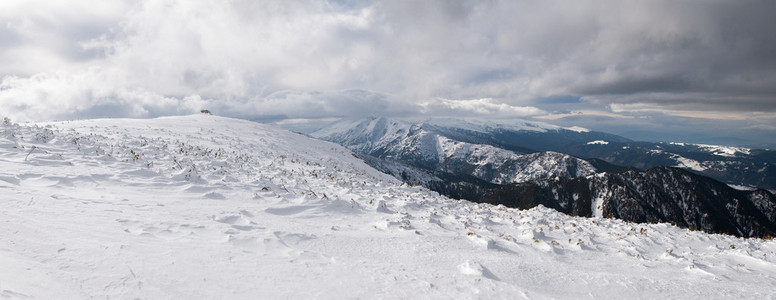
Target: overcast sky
[696,71]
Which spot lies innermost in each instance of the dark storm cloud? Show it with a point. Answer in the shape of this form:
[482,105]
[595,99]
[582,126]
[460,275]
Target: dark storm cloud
[705,45]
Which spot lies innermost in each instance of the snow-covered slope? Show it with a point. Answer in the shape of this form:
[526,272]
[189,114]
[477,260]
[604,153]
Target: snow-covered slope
[438,145]
[501,166]
[366,136]
[370,135]
[210,207]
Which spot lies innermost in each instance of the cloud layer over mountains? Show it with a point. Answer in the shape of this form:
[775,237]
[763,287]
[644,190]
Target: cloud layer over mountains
[681,61]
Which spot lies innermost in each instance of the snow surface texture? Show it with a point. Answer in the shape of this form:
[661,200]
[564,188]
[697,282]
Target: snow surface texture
[210,207]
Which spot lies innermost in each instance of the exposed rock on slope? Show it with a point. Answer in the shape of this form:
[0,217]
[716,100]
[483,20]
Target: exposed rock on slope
[657,195]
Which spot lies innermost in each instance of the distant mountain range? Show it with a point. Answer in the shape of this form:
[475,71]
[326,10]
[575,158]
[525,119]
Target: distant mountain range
[417,143]
[461,148]
[524,164]
[732,165]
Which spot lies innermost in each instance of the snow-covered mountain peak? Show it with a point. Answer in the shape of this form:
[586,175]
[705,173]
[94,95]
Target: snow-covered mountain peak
[364,134]
[501,166]
[451,146]
[372,125]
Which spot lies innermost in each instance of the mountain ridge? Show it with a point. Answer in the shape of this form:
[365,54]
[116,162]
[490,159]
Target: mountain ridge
[445,160]
[733,165]
[428,146]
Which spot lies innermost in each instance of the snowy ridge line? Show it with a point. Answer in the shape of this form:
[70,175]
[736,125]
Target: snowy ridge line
[424,146]
[210,207]
[501,166]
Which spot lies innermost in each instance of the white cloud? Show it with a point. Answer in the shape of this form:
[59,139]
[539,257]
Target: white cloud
[699,114]
[485,107]
[45,36]
[578,113]
[52,96]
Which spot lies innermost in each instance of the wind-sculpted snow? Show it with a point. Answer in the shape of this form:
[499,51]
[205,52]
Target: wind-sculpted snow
[210,207]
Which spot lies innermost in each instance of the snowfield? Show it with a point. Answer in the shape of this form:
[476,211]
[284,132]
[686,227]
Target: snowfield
[208,207]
